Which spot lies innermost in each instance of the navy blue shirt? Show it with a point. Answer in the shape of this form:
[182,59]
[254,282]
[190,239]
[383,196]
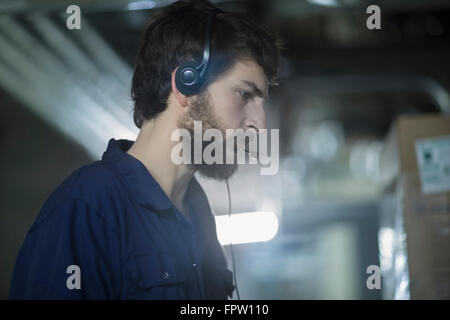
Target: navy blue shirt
[113,221]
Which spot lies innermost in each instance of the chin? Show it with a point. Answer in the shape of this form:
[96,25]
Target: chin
[218,172]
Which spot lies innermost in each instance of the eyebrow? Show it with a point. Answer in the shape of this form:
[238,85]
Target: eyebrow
[258,91]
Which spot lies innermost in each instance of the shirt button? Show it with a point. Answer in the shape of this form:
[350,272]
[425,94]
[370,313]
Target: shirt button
[166,275]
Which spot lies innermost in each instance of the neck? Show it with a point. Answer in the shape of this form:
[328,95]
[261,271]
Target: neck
[153,148]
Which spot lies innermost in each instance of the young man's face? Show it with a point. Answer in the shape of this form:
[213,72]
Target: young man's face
[238,96]
[235,100]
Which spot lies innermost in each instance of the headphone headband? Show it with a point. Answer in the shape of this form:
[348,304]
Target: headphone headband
[205,62]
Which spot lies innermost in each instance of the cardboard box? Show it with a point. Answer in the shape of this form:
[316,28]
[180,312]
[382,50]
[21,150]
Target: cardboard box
[415,168]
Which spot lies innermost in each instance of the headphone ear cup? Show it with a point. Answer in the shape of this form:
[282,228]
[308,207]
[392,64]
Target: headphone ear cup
[187,79]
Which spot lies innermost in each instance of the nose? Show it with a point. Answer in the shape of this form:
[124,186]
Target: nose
[256,117]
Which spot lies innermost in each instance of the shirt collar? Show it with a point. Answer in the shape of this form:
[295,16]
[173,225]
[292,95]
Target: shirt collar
[141,183]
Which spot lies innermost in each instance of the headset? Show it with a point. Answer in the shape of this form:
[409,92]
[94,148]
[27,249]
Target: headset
[231,246]
[189,79]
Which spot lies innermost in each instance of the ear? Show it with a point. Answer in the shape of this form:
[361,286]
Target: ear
[181,98]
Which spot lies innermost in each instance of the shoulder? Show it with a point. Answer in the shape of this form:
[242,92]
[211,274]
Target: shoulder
[94,186]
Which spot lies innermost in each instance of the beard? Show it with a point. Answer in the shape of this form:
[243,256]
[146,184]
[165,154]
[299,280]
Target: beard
[202,110]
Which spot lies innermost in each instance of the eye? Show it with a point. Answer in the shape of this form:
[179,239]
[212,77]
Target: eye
[245,94]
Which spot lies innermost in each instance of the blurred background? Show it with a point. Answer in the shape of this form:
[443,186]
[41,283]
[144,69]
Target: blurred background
[65,93]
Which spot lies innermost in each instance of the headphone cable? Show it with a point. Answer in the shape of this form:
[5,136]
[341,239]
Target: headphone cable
[231,246]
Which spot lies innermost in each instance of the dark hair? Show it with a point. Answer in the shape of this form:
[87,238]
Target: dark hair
[176,34]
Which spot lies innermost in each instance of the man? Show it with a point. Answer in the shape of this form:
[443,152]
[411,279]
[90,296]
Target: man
[135,225]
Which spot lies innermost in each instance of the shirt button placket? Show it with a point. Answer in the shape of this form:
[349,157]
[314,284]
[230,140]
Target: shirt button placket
[194,265]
